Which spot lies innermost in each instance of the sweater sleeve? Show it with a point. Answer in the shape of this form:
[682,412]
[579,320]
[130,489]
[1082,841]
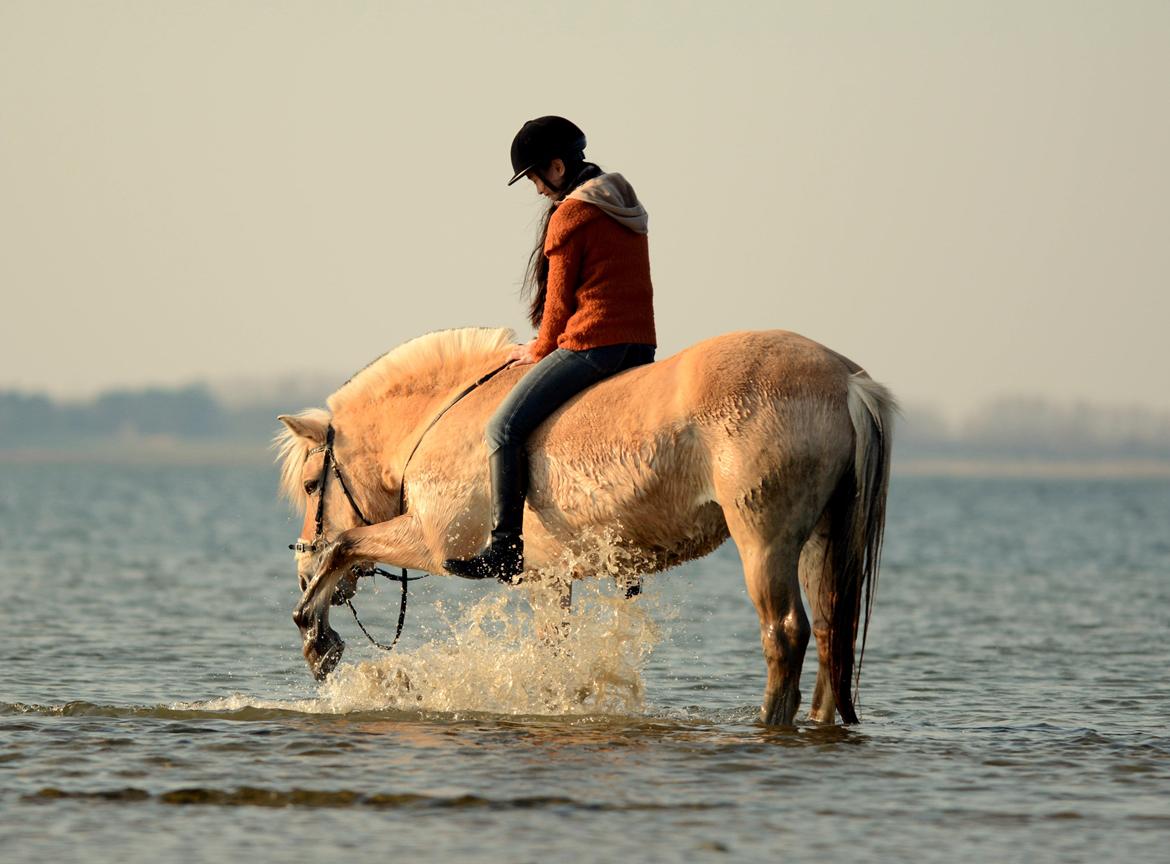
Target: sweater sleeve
[564,248]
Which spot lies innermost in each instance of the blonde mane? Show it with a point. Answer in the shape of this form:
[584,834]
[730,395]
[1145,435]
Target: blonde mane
[439,358]
[442,358]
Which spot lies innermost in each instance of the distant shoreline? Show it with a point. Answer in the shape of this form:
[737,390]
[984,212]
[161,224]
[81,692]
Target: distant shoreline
[1072,469]
[145,452]
[169,452]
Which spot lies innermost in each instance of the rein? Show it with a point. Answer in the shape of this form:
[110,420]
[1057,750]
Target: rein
[472,386]
[332,465]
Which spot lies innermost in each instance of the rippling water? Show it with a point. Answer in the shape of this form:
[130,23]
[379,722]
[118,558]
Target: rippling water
[154,704]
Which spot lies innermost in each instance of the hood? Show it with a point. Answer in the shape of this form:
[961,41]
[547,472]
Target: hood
[615,197]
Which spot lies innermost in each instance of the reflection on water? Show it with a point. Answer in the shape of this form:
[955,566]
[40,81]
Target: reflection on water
[158,708]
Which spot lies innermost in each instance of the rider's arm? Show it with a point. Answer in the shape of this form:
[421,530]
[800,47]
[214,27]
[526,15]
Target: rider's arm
[564,247]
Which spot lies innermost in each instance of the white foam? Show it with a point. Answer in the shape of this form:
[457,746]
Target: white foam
[519,658]
[491,657]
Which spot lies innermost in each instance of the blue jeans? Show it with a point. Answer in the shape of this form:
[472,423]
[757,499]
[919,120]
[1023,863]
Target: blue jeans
[551,383]
[547,386]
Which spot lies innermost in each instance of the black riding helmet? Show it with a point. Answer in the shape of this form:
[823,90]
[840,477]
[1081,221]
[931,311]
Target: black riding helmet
[541,140]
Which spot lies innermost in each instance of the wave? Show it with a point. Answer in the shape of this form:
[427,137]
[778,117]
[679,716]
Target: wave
[246,709]
[248,796]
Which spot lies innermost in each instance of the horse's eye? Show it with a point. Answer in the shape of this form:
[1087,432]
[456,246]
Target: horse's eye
[310,487]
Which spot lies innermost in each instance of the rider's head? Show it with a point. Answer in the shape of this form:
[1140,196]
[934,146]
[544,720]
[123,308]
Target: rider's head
[550,151]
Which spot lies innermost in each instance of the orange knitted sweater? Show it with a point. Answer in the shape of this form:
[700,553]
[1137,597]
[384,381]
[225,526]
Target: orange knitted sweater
[599,290]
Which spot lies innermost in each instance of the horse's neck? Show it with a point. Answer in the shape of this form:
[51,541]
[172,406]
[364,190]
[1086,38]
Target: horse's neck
[388,429]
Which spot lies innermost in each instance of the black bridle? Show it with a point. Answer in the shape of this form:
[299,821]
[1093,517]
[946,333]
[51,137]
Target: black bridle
[331,465]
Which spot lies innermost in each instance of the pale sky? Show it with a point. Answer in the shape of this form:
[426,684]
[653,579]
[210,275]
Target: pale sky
[969,199]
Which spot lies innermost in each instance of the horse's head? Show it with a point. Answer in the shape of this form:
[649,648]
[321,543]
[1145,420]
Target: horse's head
[314,479]
[339,480]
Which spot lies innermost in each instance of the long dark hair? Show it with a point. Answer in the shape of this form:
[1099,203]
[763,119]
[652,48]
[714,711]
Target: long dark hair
[536,278]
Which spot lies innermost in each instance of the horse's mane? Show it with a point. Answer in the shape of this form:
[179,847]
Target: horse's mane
[433,361]
[443,357]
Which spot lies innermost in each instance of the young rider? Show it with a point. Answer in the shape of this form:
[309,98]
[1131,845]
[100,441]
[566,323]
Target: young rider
[592,302]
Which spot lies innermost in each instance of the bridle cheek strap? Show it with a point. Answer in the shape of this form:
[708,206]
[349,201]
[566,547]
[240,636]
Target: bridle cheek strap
[330,466]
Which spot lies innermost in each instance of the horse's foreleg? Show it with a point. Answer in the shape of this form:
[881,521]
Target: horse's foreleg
[397,542]
[812,567]
[320,643]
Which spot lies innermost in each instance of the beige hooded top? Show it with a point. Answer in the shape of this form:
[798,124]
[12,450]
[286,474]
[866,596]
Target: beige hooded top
[614,196]
[598,290]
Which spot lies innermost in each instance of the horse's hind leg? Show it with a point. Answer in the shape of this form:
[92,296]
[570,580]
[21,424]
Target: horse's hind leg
[812,566]
[770,566]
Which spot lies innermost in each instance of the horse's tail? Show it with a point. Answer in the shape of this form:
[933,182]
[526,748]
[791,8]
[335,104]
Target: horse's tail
[857,516]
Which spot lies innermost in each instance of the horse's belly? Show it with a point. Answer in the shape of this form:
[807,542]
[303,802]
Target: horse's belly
[652,505]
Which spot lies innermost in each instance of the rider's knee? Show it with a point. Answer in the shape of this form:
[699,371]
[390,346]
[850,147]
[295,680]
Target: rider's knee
[498,435]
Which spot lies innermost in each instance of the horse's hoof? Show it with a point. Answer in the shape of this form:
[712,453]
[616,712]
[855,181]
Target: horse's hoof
[323,653]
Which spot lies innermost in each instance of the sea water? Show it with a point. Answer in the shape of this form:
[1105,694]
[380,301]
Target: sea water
[154,704]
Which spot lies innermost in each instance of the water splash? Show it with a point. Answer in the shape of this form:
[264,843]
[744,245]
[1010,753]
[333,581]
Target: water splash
[500,657]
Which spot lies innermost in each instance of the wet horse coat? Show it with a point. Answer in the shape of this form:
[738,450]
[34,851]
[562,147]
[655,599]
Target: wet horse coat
[764,436]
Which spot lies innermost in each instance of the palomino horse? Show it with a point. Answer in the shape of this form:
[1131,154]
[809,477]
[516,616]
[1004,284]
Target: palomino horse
[766,436]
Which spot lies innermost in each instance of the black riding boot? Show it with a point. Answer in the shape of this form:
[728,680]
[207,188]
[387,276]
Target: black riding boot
[504,557]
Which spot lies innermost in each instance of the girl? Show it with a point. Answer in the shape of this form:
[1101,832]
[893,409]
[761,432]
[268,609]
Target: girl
[591,302]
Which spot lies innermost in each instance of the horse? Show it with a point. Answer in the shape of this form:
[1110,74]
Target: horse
[764,436]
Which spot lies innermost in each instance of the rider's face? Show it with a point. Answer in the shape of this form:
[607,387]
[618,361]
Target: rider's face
[554,173]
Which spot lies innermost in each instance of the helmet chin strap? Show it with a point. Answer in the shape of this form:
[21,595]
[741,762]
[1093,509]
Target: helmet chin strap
[567,181]
[544,179]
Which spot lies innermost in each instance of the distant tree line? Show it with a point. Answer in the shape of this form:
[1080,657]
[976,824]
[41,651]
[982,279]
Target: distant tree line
[184,413]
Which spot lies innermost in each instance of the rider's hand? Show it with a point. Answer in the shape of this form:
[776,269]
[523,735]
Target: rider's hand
[522,354]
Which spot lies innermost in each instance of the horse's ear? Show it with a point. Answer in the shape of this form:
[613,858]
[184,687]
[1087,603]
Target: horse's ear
[308,426]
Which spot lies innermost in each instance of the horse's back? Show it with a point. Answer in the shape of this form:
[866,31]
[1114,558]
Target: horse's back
[727,373]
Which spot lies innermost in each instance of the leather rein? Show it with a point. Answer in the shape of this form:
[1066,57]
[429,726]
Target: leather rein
[331,465]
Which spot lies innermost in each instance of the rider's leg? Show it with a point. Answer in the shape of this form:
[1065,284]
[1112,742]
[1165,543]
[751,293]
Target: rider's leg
[547,386]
